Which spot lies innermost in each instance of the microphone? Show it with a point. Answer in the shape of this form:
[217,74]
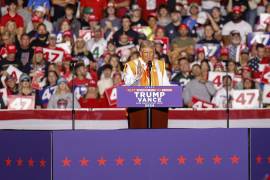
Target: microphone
[149,65]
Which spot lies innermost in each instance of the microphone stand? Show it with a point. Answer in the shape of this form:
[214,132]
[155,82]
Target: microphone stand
[227,97]
[73,96]
[149,114]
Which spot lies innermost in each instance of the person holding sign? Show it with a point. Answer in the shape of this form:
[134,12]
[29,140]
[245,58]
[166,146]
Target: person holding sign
[221,98]
[136,74]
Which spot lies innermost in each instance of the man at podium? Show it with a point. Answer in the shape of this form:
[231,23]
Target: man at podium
[136,73]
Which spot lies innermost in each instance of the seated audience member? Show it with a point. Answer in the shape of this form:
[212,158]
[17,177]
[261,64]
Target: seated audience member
[106,79]
[198,87]
[25,87]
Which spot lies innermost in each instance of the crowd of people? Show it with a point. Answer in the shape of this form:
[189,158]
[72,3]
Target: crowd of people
[70,53]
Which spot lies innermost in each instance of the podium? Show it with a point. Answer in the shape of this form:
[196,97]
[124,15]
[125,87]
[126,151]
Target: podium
[148,104]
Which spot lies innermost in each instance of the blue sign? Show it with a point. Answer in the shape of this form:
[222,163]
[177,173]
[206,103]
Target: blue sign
[258,37]
[149,96]
[45,94]
[151,154]
[260,154]
[25,155]
[210,49]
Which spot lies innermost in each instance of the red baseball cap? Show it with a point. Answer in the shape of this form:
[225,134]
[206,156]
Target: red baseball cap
[92,17]
[153,14]
[38,50]
[67,33]
[36,19]
[110,4]
[92,83]
[11,49]
[184,26]
[224,51]
[237,10]
[200,49]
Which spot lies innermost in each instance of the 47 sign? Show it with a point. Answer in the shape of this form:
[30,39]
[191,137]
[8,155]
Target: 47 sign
[243,99]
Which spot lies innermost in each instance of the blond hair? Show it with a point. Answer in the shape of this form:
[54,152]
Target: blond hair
[147,44]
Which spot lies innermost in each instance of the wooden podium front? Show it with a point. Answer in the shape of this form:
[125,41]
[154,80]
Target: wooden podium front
[137,118]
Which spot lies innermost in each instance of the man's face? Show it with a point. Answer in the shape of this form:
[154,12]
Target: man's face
[175,16]
[215,13]
[194,10]
[183,32]
[97,34]
[69,12]
[107,73]
[39,57]
[11,83]
[208,31]
[261,52]
[236,38]
[236,17]
[196,71]
[81,71]
[184,66]
[147,54]
[25,41]
[39,14]
[52,41]
[12,7]
[126,23]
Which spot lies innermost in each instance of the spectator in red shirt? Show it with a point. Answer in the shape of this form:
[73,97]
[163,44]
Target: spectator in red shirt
[91,98]
[11,86]
[12,16]
[96,6]
[149,7]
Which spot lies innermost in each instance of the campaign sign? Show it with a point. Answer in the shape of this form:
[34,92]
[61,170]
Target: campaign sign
[266,94]
[21,102]
[149,96]
[198,103]
[210,49]
[211,154]
[165,42]
[111,95]
[258,37]
[53,56]
[264,19]
[14,72]
[45,94]
[216,78]
[245,98]
[86,34]
[25,155]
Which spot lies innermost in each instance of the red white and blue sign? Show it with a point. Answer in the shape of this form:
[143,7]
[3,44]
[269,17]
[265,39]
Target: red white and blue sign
[149,96]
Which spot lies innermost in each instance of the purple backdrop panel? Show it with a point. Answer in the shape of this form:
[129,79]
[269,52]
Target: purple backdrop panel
[25,155]
[151,154]
[260,154]
[147,96]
